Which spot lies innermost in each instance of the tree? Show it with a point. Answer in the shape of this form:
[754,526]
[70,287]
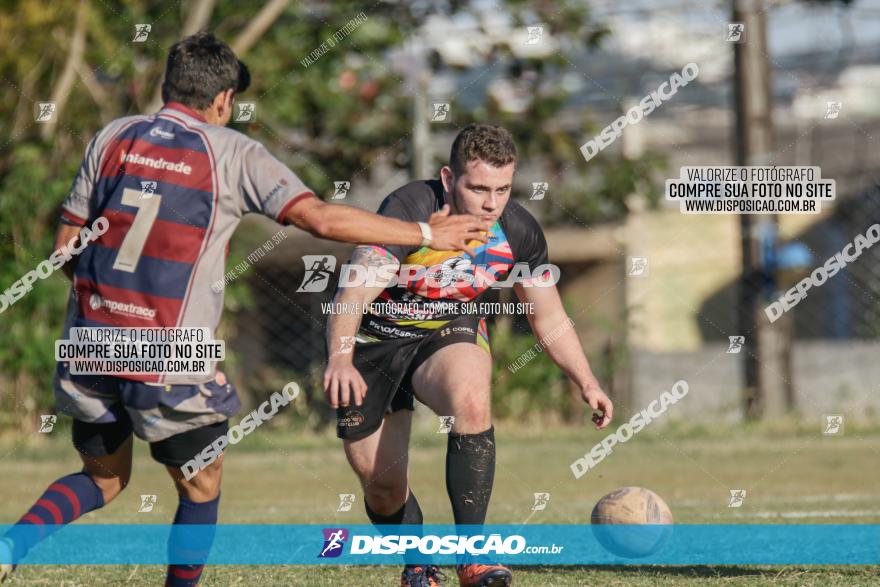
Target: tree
[330,117]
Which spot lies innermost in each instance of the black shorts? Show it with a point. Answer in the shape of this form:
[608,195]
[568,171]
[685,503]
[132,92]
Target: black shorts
[387,367]
[99,440]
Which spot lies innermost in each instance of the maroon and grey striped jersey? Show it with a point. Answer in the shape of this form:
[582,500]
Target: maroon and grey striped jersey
[173,188]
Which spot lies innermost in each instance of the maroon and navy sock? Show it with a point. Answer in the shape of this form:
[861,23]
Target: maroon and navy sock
[63,502]
[193,542]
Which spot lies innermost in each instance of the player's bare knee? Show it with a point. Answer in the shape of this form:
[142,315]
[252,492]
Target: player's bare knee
[363,467]
[199,492]
[110,486]
[111,473]
[122,481]
[476,418]
[111,482]
[386,485]
[386,495]
[204,486]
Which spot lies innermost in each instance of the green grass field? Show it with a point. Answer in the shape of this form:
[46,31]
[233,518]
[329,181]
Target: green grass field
[792,475]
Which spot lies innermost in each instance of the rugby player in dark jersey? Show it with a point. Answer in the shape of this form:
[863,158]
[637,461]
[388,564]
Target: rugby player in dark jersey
[417,342]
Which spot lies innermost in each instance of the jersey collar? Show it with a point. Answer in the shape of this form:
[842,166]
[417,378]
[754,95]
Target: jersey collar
[184,110]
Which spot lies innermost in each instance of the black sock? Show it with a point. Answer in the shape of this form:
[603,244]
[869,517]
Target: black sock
[409,513]
[470,472]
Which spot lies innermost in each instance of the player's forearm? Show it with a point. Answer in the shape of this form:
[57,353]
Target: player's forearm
[351,302]
[348,224]
[64,237]
[342,326]
[345,319]
[358,226]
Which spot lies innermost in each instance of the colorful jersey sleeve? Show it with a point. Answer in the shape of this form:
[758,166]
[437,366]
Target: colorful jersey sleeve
[526,237]
[414,202]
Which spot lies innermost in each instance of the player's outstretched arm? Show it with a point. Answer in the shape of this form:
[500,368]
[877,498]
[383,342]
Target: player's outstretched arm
[555,330]
[348,224]
[342,381]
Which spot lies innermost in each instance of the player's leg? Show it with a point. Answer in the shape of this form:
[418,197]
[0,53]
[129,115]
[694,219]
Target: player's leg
[198,501]
[455,380]
[380,461]
[102,434]
[376,441]
[105,450]
[181,422]
[111,473]
[376,433]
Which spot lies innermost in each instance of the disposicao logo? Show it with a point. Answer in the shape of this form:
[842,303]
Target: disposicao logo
[334,539]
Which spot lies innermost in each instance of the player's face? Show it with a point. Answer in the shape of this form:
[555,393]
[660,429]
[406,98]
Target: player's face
[482,190]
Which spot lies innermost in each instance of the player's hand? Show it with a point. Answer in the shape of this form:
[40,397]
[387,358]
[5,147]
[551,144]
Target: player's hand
[597,399]
[454,232]
[343,384]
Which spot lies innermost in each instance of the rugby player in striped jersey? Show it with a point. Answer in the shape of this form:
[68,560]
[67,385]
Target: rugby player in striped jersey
[172,187]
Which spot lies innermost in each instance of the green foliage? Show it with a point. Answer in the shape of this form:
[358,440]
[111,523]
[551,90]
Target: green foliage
[28,210]
[329,120]
[538,387]
[600,191]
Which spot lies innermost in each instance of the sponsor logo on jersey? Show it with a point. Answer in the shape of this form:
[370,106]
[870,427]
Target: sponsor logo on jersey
[162,134]
[452,271]
[160,163]
[280,188]
[114,307]
[450,329]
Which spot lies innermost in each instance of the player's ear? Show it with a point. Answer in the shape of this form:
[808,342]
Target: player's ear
[447,176]
[225,102]
[220,110]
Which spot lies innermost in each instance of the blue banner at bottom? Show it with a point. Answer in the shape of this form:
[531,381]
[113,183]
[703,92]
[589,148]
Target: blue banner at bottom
[272,544]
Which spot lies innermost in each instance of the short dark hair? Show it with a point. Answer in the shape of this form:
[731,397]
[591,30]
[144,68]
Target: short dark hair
[199,67]
[484,142]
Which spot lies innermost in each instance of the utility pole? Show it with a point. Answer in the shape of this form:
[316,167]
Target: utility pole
[417,71]
[421,136]
[763,373]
